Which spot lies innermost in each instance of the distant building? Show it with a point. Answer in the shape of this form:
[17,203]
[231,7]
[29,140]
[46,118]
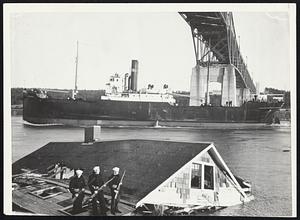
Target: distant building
[275,97]
[267,97]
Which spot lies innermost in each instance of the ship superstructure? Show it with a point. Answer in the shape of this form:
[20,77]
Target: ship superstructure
[125,89]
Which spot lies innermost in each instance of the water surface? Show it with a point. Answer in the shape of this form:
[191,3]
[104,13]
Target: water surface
[255,154]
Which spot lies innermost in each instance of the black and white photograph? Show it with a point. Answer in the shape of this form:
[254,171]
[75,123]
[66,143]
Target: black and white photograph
[150,109]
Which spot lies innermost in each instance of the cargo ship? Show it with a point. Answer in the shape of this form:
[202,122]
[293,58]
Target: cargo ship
[124,105]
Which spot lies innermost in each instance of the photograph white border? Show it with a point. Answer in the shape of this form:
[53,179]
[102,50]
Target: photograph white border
[10,8]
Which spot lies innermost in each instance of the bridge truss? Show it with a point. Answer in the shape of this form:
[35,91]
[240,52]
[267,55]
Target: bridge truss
[215,41]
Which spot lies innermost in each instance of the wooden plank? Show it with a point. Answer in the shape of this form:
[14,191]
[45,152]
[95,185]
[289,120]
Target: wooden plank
[50,206]
[59,198]
[25,171]
[35,204]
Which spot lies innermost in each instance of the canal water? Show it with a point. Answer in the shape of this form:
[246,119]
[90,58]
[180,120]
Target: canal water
[261,155]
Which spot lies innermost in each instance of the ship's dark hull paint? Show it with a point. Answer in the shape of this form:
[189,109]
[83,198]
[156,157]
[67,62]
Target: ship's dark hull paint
[47,111]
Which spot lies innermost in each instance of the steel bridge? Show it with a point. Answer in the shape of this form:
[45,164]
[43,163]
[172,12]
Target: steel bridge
[215,41]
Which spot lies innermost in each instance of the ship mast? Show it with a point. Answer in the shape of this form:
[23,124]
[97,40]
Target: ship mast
[76,68]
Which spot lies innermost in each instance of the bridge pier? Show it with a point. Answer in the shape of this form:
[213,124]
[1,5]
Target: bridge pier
[229,86]
[197,86]
[222,73]
[246,94]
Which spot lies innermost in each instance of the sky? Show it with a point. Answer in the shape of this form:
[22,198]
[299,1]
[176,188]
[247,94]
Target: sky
[43,48]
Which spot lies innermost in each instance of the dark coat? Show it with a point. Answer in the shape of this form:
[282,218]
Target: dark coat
[76,183]
[113,185]
[95,180]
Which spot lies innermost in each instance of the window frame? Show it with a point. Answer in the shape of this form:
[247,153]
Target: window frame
[202,175]
[213,167]
[201,167]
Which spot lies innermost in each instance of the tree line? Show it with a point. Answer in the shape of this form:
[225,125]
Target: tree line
[90,95]
[286,95]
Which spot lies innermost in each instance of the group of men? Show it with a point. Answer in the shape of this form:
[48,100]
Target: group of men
[96,185]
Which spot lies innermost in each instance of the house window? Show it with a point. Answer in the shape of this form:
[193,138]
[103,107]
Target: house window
[196,176]
[208,177]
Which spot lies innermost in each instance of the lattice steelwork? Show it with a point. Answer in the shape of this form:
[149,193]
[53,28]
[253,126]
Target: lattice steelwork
[214,36]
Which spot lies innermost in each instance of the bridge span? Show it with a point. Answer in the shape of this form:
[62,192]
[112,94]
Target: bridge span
[218,59]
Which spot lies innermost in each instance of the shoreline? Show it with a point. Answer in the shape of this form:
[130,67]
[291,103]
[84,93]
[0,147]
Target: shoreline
[16,110]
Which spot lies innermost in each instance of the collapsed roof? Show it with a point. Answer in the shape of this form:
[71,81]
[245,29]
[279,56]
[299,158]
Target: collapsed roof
[147,162]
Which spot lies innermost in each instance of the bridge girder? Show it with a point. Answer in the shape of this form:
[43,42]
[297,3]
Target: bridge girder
[215,32]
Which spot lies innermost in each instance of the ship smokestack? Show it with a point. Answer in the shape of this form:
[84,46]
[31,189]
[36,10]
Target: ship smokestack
[134,74]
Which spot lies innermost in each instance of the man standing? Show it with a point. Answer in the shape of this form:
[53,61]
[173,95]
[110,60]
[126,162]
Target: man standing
[113,185]
[76,187]
[95,183]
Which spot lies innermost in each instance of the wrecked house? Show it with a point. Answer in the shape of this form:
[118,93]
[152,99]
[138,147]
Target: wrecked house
[170,175]
[203,181]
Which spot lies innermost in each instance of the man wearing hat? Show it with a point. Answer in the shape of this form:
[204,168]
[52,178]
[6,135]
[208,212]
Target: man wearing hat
[113,185]
[94,183]
[76,187]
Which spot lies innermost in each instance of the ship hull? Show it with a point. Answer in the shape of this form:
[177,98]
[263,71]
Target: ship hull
[120,113]
[154,124]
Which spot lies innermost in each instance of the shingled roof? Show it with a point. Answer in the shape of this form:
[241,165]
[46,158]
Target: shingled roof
[147,162]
